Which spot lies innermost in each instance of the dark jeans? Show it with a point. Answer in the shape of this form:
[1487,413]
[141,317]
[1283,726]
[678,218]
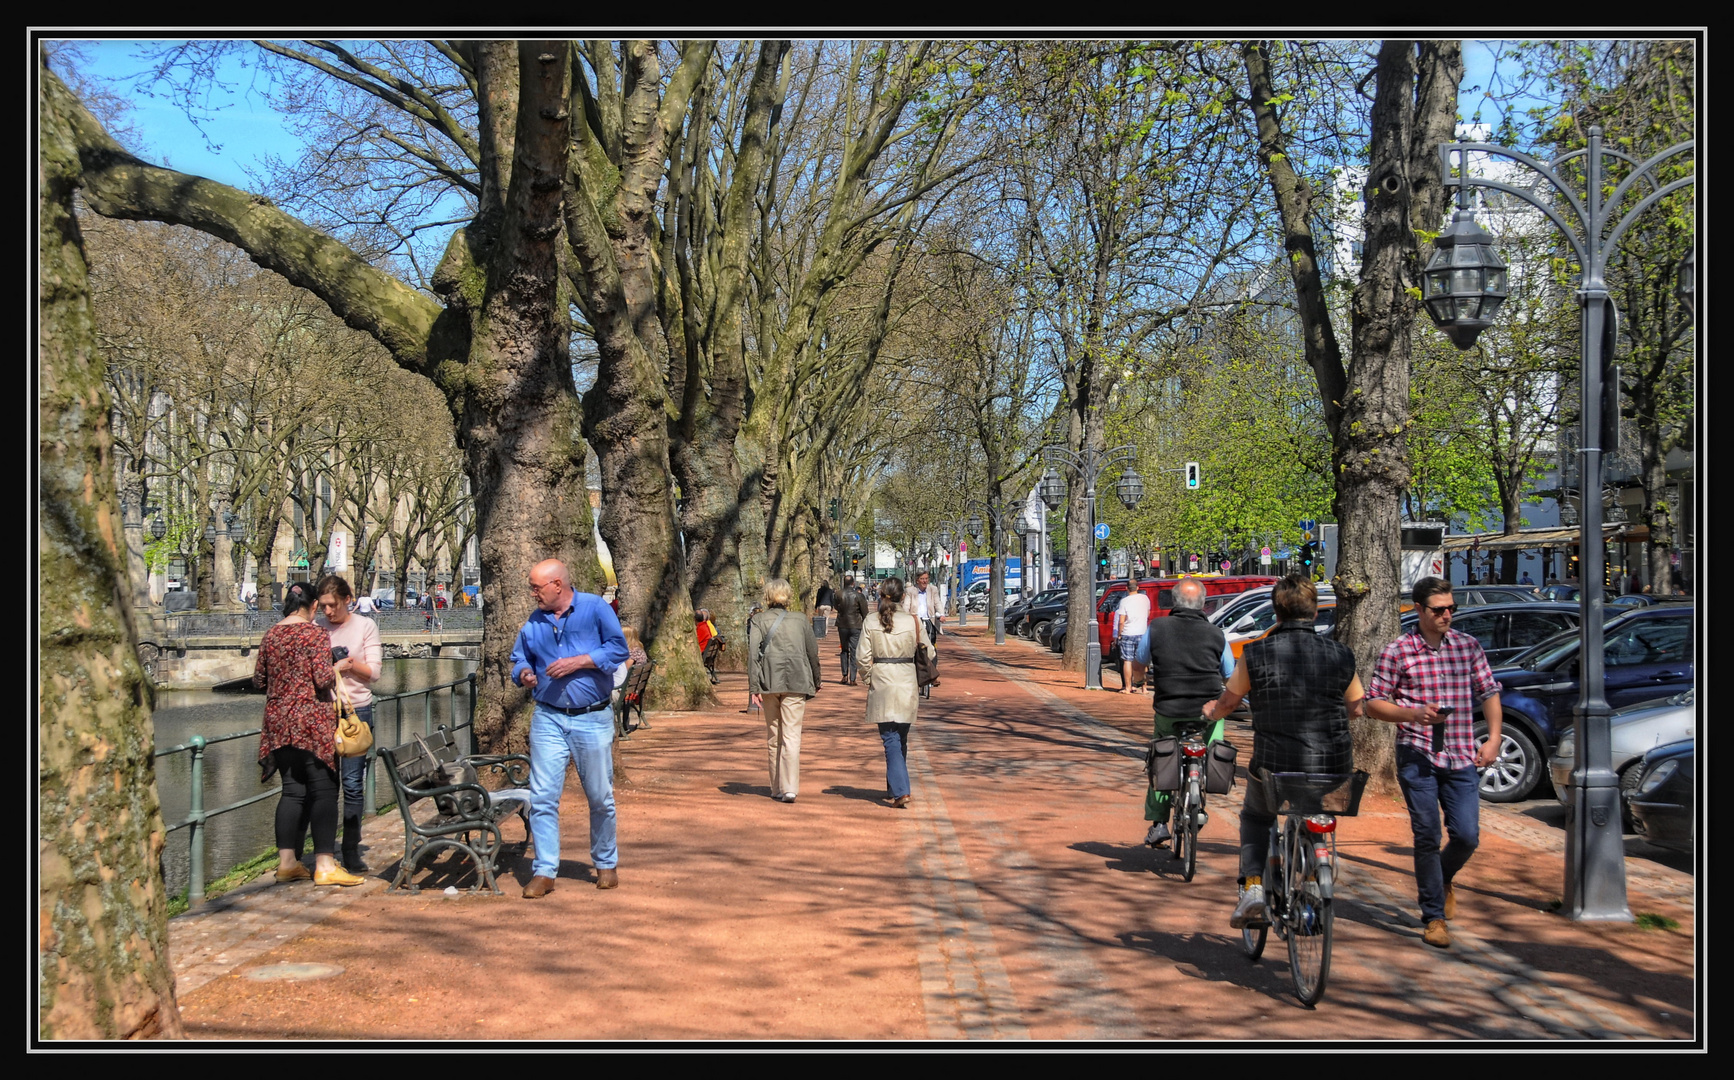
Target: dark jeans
[1428,789]
[850,640]
[896,740]
[1257,815]
[309,798]
[354,789]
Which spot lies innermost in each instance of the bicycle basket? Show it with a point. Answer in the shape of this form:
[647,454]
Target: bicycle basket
[1317,793]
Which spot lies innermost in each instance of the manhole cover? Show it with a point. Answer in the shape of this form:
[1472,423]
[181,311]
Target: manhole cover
[293,972]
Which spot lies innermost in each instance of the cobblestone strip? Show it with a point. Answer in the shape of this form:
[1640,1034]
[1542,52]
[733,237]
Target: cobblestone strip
[964,987]
[240,925]
[1555,1010]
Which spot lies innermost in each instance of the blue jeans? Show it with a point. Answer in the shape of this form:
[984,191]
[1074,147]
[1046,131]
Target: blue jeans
[586,741]
[1429,788]
[354,770]
[896,740]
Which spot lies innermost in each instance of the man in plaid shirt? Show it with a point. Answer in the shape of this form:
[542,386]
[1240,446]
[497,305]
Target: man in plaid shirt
[1427,683]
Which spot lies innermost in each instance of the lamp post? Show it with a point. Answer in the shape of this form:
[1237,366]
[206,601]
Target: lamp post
[1087,465]
[1464,285]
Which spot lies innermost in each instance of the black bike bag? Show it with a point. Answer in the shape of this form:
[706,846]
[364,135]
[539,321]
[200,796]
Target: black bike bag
[1219,768]
[1162,764]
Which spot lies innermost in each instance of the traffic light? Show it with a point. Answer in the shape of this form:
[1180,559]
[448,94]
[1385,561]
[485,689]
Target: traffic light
[1307,555]
[1192,476]
[854,560]
[1102,561]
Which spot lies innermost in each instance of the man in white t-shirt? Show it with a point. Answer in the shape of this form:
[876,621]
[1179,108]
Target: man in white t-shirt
[1131,621]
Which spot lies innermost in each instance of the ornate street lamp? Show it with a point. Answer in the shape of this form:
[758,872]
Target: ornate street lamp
[211,528]
[237,527]
[1052,490]
[1130,488]
[974,525]
[158,527]
[1592,221]
[1465,279]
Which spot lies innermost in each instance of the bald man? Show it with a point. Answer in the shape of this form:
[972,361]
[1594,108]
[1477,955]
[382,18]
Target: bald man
[566,654]
[1186,659]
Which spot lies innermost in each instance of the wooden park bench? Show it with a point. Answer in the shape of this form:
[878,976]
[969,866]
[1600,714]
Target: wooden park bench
[630,699]
[467,815]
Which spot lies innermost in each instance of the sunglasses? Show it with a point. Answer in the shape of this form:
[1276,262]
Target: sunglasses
[1444,609]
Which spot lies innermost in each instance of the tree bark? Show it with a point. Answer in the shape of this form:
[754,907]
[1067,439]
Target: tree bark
[1367,405]
[102,913]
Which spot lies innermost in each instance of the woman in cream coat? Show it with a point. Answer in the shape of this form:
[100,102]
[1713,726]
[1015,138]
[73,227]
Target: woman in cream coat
[887,659]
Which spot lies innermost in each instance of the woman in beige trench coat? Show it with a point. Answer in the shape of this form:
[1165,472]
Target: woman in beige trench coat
[887,660]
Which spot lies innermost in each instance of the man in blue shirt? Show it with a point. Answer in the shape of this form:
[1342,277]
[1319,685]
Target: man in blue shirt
[566,654]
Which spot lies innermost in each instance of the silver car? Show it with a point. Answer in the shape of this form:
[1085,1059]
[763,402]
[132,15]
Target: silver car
[1634,731]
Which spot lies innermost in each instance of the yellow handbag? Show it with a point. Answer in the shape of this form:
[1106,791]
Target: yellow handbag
[354,737]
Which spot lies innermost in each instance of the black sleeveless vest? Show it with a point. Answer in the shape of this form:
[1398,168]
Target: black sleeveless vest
[1185,663]
[1299,723]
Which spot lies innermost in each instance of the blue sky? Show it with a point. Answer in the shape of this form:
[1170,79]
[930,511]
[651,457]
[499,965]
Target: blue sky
[246,129]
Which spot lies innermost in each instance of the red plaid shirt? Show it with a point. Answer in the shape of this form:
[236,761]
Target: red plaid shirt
[1412,673]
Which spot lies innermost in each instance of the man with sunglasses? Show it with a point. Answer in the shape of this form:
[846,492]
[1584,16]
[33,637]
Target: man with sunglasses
[1428,682]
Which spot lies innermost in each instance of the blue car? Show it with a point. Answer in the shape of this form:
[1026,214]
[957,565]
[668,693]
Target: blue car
[1647,653]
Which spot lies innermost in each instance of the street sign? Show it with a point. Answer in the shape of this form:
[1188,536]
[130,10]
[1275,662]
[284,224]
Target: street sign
[1101,530]
[1307,534]
[1194,563]
[1264,557]
[1308,524]
[1226,565]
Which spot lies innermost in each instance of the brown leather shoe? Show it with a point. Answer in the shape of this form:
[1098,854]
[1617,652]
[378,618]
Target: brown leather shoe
[1450,901]
[1436,935]
[607,879]
[538,887]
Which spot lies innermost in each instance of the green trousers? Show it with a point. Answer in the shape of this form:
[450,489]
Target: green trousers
[1156,802]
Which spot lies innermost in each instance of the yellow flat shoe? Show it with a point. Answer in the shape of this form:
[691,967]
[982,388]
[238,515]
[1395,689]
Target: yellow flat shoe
[337,877]
[294,873]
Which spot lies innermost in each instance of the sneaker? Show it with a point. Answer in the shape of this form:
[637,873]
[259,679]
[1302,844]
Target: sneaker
[1250,911]
[1437,935]
[1450,901]
[1158,835]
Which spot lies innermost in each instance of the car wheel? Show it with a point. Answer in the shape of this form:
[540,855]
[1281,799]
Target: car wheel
[1039,631]
[1515,773]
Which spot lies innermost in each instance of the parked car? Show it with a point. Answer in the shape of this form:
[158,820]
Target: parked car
[1476,595]
[1633,732]
[1259,622]
[1057,632]
[1015,614]
[1647,654]
[1646,600]
[1662,802]
[1572,592]
[1161,594]
[1507,630]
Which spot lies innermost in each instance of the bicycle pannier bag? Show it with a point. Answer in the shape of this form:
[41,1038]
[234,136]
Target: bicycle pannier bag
[1219,768]
[1164,763]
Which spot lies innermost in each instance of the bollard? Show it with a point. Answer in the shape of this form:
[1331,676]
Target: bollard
[196,830]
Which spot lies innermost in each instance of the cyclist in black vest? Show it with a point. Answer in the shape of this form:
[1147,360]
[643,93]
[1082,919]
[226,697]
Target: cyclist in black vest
[1303,689]
[1186,659]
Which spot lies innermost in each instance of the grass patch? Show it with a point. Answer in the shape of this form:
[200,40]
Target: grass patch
[262,863]
[1649,920]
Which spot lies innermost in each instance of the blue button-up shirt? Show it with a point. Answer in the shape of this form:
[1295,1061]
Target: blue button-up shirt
[588,626]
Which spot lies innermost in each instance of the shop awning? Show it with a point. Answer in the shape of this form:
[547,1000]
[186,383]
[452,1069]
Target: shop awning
[1524,539]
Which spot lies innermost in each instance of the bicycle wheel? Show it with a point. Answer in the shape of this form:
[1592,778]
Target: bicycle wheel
[1309,946]
[1189,825]
[1252,940]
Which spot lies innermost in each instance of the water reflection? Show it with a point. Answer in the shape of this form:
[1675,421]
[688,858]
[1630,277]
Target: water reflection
[231,768]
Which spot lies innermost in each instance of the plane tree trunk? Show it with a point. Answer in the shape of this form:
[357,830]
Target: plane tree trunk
[102,911]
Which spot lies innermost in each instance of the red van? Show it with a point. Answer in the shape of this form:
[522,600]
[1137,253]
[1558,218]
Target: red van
[1161,594]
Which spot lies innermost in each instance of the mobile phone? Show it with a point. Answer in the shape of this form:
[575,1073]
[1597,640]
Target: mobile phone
[1445,710]
[339,652]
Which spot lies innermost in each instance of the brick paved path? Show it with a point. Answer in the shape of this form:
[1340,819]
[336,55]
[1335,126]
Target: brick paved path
[1013,900]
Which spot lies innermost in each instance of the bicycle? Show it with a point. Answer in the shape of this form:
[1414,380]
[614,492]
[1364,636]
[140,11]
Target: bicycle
[1301,871]
[1189,812]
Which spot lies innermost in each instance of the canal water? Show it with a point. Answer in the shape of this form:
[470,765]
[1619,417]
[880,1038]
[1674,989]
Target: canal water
[231,768]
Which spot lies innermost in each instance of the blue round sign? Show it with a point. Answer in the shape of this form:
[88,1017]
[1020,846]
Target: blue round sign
[1101,530]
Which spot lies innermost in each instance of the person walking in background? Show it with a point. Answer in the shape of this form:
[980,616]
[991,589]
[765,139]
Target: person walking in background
[886,655]
[783,668]
[1428,683]
[298,738]
[357,670]
[710,643]
[851,616]
[567,653]
[1131,619]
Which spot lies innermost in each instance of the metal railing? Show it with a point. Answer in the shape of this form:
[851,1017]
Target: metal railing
[185,624]
[197,815]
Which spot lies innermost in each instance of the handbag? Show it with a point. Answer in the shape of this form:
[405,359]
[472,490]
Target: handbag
[354,737]
[452,804]
[926,666]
